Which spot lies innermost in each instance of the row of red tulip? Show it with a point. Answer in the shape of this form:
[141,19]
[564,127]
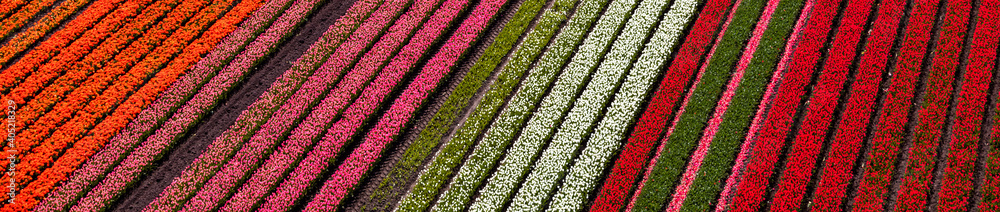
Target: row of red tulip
[846,143]
[915,191]
[146,121]
[770,140]
[243,162]
[650,125]
[888,136]
[805,150]
[957,183]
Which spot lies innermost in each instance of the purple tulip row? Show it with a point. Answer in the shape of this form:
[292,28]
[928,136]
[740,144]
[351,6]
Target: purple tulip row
[259,146]
[389,126]
[376,92]
[150,118]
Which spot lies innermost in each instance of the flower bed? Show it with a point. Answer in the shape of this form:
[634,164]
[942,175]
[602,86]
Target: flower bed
[845,145]
[888,135]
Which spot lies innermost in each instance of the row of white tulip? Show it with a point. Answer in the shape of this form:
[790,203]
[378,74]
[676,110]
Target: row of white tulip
[501,186]
[582,176]
[577,124]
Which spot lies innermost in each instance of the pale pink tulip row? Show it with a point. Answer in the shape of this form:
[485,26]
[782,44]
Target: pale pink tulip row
[238,168]
[389,126]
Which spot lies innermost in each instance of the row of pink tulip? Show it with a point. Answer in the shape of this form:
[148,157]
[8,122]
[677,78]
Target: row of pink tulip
[287,84]
[373,95]
[238,168]
[389,126]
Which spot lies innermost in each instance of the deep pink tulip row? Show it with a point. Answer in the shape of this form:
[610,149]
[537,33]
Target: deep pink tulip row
[957,183]
[819,114]
[847,140]
[376,92]
[389,126]
[149,119]
[245,161]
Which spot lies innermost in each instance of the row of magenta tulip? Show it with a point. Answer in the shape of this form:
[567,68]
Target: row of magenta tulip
[915,191]
[239,167]
[888,135]
[94,114]
[957,183]
[635,154]
[154,147]
[179,190]
[402,110]
[847,140]
[361,111]
[819,114]
[404,169]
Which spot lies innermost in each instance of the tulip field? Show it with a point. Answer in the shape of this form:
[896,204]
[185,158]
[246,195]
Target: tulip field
[500,105]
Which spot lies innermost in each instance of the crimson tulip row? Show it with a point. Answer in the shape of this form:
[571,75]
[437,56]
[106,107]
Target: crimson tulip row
[847,140]
[818,115]
[718,145]
[665,168]
[156,114]
[307,171]
[916,183]
[238,168]
[957,183]
[769,141]
[888,135]
[650,125]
